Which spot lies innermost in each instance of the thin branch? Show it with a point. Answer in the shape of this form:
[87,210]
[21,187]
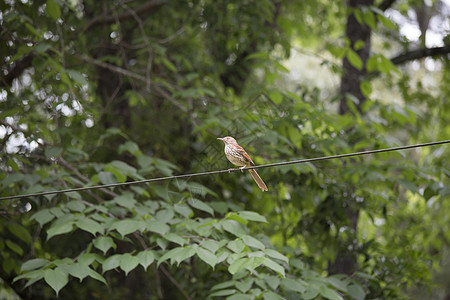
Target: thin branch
[170,98]
[147,43]
[419,54]
[64,163]
[113,68]
[130,74]
[109,18]
[179,287]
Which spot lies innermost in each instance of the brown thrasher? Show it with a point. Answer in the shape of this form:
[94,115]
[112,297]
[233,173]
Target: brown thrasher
[237,156]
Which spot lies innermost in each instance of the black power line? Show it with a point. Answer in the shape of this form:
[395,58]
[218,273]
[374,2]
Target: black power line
[299,161]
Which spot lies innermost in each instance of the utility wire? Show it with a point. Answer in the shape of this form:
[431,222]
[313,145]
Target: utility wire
[299,161]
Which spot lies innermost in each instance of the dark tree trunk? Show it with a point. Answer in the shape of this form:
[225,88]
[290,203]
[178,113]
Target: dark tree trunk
[352,77]
[345,261]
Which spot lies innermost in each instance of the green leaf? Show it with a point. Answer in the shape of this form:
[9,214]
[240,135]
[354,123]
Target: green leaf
[169,255]
[106,177]
[244,285]
[158,227]
[78,270]
[358,15]
[42,48]
[56,278]
[293,285]
[169,64]
[184,254]
[125,227]
[33,275]
[273,281]
[236,217]
[207,256]
[386,22]
[358,45]
[126,200]
[233,227]
[338,283]
[78,77]
[172,237]
[165,215]
[274,266]
[75,205]
[277,255]
[183,210]
[238,265]
[223,293]
[237,246]
[131,147]
[240,296]
[32,30]
[60,228]
[53,9]
[366,88]
[96,276]
[329,293]
[372,63]
[210,245]
[369,19]
[252,242]
[223,285]
[43,217]
[354,59]
[276,96]
[252,216]
[33,264]
[356,292]
[269,295]
[111,262]
[128,262]
[311,293]
[145,258]
[195,203]
[89,225]
[87,258]
[104,243]
[20,232]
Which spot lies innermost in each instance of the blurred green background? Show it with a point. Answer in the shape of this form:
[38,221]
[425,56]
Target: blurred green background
[98,92]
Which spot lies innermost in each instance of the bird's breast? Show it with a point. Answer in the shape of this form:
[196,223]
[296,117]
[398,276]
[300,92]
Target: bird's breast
[234,156]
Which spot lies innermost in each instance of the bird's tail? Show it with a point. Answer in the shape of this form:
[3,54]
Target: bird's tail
[258,180]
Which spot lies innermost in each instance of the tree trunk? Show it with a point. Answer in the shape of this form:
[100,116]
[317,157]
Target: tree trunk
[351,79]
[345,261]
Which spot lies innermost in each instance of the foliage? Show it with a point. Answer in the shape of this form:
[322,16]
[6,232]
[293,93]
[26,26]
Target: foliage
[97,93]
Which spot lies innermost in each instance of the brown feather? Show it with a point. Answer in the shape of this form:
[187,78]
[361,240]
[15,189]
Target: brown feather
[258,180]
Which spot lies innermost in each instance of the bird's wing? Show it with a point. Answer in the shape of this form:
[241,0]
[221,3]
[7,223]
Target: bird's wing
[244,154]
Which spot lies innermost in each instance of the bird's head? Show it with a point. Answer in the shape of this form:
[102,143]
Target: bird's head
[228,140]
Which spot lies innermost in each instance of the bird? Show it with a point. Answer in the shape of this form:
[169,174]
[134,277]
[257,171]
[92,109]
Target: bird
[237,156]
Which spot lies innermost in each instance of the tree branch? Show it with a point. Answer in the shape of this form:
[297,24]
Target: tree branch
[420,53]
[17,70]
[177,285]
[133,75]
[109,18]
[386,4]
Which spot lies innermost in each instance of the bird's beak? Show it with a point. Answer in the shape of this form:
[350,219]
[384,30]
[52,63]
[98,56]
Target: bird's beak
[220,139]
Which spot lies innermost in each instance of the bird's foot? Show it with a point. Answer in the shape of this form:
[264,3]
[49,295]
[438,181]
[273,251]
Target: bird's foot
[242,168]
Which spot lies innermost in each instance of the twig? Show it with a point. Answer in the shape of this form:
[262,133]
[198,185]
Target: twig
[64,163]
[179,287]
[108,18]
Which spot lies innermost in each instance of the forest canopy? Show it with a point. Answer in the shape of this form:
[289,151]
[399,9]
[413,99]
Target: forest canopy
[101,92]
